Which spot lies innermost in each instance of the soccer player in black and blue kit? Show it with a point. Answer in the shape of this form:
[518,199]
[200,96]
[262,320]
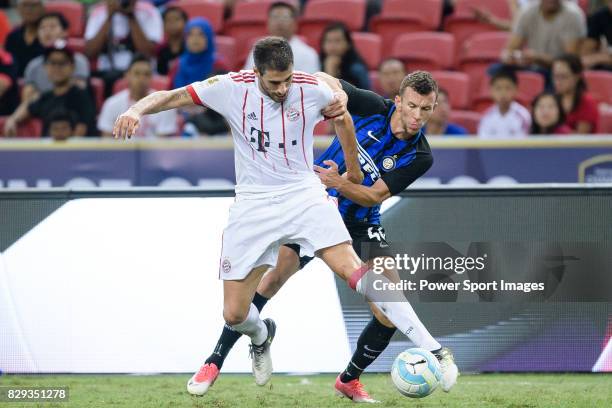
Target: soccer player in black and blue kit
[393,153]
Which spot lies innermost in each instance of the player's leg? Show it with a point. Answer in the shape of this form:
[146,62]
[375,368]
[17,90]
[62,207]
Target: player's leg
[343,260]
[287,264]
[243,317]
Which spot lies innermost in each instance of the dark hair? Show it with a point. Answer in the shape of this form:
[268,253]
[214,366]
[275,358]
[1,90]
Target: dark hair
[59,48]
[54,14]
[138,58]
[277,4]
[175,8]
[61,115]
[349,58]
[575,65]
[536,129]
[421,81]
[504,73]
[272,53]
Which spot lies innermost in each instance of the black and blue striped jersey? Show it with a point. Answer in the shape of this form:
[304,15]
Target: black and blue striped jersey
[381,155]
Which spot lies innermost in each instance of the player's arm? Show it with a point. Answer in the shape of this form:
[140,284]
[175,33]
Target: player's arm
[128,122]
[345,129]
[388,185]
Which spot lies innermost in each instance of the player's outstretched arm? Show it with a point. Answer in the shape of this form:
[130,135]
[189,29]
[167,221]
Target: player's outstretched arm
[127,123]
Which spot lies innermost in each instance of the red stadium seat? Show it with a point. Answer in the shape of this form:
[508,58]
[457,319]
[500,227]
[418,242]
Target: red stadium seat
[396,18]
[467,119]
[462,23]
[457,84]
[97,85]
[319,14]
[31,128]
[599,84]
[249,20]
[73,11]
[76,44]
[212,10]
[425,50]
[226,48]
[605,120]
[369,46]
[530,84]
[478,53]
[158,83]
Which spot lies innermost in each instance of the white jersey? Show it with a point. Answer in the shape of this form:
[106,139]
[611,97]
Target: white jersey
[273,142]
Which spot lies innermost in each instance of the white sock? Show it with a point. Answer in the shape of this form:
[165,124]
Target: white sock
[253,327]
[398,310]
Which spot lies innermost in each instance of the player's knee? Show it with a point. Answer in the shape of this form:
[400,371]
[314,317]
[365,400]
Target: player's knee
[234,317]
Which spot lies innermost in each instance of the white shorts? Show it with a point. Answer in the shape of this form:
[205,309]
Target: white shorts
[258,227]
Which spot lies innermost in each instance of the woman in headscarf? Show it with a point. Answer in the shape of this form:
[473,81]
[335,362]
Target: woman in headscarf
[197,61]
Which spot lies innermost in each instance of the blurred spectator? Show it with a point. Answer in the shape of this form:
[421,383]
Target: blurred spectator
[438,122]
[136,27]
[339,57]
[60,68]
[507,118]
[391,73]
[9,98]
[580,108]
[174,25]
[197,60]
[138,78]
[23,42]
[597,48]
[61,124]
[546,29]
[548,116]
[52,31]
[516,6]
[283,22]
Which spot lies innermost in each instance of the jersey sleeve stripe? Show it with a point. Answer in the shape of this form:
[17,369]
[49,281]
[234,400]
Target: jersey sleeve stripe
[194,95]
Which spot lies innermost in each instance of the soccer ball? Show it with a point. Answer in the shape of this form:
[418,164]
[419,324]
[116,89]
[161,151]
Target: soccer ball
[416,373]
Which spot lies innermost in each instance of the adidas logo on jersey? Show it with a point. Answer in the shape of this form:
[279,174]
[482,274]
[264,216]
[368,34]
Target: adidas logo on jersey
[252,116]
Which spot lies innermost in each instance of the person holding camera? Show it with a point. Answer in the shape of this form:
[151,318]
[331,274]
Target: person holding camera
[116,29]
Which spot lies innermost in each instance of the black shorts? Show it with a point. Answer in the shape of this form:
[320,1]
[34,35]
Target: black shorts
[369,242]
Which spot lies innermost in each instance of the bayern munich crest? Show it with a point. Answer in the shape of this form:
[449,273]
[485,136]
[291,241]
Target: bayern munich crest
[226,265]
[388,163]
[292,114]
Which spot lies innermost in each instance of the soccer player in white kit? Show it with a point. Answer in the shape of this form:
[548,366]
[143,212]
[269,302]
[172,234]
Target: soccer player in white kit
[272,112]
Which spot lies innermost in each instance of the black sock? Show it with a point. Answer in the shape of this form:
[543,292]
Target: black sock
[229,336]
[373,340]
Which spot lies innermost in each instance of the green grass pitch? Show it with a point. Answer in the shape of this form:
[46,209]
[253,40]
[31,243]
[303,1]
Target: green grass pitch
[297,391]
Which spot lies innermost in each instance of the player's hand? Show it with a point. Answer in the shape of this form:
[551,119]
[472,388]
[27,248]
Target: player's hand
[329,176]
[126,125]
[337,106]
